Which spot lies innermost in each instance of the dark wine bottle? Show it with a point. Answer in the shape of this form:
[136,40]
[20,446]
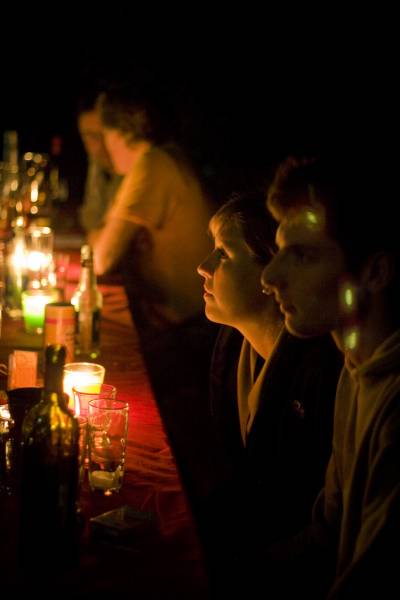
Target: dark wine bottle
[49,479]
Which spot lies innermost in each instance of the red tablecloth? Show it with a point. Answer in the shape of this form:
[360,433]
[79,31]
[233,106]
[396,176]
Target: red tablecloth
[166,559]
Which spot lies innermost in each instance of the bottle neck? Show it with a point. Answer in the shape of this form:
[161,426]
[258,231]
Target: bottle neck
[54,370]
[54,382]
[88,277]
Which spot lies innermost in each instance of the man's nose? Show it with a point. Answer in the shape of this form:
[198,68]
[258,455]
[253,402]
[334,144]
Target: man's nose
[269,276]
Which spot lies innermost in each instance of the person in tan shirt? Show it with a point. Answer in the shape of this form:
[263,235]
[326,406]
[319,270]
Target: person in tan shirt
[158,220]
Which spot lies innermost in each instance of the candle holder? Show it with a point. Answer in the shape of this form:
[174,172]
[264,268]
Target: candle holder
[39,243]
[77,374]
[33,304]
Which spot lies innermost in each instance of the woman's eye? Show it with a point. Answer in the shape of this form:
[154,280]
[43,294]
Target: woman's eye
[221,252]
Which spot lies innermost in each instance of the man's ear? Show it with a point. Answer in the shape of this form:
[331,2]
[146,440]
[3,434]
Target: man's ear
[378,272]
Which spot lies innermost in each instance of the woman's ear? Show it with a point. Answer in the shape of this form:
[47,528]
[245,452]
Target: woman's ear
[378,272]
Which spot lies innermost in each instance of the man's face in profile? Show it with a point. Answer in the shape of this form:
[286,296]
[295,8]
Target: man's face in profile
[91,131]
[306,273]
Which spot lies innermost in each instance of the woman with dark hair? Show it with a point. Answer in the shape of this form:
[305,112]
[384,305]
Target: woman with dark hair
[272,398]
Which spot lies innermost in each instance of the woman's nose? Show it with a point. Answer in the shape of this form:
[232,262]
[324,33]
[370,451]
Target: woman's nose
[204,268]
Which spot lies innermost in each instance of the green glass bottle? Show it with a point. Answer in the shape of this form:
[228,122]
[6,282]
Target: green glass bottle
[88,302]
[49,477]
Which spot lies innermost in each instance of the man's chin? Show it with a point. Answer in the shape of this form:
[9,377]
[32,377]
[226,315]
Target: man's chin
[299,330]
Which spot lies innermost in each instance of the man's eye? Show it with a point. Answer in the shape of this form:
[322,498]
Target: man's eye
[300,255]
[304,256]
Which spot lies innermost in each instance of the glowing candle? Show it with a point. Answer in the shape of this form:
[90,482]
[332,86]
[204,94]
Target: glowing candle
[33,303]
[89,375]
[39,256]
[38,260]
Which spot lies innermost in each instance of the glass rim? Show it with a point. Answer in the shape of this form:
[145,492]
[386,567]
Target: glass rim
[38,292]
[115,404]
[93,366]
[103,392]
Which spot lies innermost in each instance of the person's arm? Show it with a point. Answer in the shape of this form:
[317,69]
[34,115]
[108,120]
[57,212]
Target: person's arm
[111,242]
[141,201]
[96,198]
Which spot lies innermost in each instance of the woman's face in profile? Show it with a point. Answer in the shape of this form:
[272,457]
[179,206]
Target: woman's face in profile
[232,280]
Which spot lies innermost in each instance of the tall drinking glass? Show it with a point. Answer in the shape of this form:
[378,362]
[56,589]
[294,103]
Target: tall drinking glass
[107,435]
[84,393]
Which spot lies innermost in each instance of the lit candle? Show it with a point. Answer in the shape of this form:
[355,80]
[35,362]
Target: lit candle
[33,303]
[80,374]
[38,260]
[39,256]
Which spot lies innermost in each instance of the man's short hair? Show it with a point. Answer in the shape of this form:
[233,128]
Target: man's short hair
[136,111]
[358,194]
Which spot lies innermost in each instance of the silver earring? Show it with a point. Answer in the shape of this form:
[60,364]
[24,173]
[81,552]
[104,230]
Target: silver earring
[267,290]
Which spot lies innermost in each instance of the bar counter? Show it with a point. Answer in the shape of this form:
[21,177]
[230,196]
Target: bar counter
[165,559]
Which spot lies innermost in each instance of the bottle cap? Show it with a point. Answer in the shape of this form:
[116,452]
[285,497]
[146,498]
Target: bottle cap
[86,252]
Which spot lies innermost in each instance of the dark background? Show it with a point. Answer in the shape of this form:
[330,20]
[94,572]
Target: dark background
[246,96]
